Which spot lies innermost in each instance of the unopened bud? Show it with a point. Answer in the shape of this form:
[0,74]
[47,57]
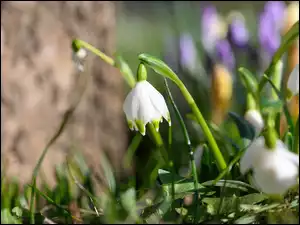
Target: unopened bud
[221,93]
[255,119]
[142,72]
[78,58]
[82,53]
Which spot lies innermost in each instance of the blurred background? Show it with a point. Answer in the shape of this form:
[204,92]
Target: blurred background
[204,42]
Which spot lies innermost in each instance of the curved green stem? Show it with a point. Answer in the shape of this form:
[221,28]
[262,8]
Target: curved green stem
[163,69]
[128,76]
[124,68]
[188,143]
[211,141]
[287,40]
[83,44]
[285,107]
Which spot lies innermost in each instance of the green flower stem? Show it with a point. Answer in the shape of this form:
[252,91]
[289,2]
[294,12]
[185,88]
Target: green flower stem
[285,107]
[270,134]
[211,141]
[286,42]
[128,77]
[156,137]
[132,149]
[251,103]
[83,44]
[188,143]
[276,79]
[163,69]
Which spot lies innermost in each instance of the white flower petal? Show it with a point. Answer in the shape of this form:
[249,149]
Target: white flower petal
[255,119]
[249,158]
[275,171]
[285,153]
[159,103]
[293,81]
[144,103]
[276,175]
[81,53]
[129,106]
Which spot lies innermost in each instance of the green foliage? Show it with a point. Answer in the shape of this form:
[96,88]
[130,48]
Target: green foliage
[204,193]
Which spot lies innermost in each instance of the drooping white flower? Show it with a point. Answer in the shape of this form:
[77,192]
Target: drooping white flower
[144,104]
[255,119]
[78,58]
[293,81]
[274,171]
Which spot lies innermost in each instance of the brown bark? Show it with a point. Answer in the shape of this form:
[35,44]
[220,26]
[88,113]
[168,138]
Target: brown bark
[37,80]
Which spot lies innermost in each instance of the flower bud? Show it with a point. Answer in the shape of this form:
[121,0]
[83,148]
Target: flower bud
[142,72]
[225,54]
[237,31]
[269,36]
[78,55]
[213,28]
[276,10]
[254,117]
[221,93]
[188,52]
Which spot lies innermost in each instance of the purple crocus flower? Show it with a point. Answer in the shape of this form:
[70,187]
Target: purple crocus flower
[209,28]
[238,33]
[276,11]
[188,52]
[269,36]
[224,54]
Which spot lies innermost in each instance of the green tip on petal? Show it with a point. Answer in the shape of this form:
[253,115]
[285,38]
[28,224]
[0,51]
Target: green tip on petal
[141,127]
[130,124]
[156,124]
[169,119]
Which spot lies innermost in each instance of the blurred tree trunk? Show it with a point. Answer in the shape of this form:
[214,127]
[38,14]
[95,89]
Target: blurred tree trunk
[38,78]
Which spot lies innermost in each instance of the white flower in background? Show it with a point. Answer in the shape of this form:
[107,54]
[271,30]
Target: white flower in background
[78,58]
[293,81]
[274,170]
[254,117]
[145,104]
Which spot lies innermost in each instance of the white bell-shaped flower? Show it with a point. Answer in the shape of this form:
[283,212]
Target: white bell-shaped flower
[78,58]
[274,171]
[144,104]
[255,119]
[293,81]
